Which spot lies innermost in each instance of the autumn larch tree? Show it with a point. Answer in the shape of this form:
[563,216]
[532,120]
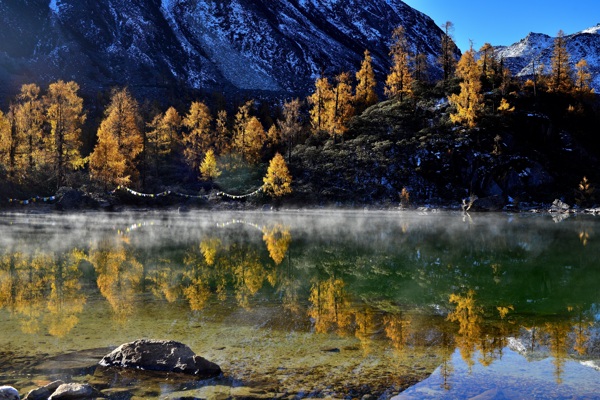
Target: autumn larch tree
[320,101]
[171,124]
[273,136]
[584,78]
[342,110]
[107,163]
[277,181]
[162,136]
[561,79]
[122,119]
[11,144]
[469,102]
[365,95]
[222,133]
[6,143]
[249,136]
[65,115]
[250,140]
[208,168]
[290,126]
[197,138]
[29,114]
[488,64]
[399,81]
[446,58]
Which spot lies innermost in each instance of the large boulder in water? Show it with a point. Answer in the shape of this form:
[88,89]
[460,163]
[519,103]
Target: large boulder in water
[160,355]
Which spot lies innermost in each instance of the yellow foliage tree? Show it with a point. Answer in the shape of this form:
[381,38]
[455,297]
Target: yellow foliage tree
[162,136]
[29,114]
[122,120]
[65,115]
[209,169]
[290,126]
[561,76]
[8,144]
[584,78]
[469,102]
[249,140]
[321,101]
[399,81]
[222,135]
[365,95]
[487,61]
[197,139]
[342,110]
[273,136]
[107,164]
[171,124]
[277,181]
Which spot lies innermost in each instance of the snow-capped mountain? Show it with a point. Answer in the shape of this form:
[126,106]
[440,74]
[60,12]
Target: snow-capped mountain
[211,45]
[536,49]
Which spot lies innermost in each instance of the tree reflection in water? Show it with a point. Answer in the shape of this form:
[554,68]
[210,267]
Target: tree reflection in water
[401,286]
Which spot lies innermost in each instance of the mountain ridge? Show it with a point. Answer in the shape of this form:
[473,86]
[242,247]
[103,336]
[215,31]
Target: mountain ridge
[536,48]
[206,45]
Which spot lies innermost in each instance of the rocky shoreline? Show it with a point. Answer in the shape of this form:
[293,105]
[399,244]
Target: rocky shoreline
[163,357]
[76,200]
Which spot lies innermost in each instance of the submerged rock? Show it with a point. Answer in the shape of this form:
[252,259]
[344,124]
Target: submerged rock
[74,391]
[160,355]
[43,393]
[9,393]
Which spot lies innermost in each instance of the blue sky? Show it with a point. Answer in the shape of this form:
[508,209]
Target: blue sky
[505,22]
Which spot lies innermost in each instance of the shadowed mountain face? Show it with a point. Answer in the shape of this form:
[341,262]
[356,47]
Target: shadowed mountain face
[210,45]
[536,49]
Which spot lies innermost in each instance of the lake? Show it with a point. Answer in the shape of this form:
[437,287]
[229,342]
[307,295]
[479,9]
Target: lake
[314,304]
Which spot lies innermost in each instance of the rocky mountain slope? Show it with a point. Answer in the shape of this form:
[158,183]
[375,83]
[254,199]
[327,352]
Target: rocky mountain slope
[536,49]
[210,45]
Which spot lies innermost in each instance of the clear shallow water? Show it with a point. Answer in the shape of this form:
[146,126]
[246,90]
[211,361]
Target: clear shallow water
[307,304]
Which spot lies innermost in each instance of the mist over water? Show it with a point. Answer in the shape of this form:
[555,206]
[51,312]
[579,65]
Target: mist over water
[315,296]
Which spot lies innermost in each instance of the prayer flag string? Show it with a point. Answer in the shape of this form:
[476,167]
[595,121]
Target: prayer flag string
[35,199]
[168,192]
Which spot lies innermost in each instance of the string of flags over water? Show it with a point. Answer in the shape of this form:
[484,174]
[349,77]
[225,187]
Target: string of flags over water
[37,199]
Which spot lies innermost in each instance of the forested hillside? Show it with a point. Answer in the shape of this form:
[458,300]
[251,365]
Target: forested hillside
[413,138]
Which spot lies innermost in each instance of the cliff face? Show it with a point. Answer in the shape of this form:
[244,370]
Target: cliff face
[210,45]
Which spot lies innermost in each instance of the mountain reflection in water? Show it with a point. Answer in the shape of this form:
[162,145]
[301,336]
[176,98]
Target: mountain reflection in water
[399,294]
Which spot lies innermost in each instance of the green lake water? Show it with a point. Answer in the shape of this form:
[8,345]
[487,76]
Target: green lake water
[307,304]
